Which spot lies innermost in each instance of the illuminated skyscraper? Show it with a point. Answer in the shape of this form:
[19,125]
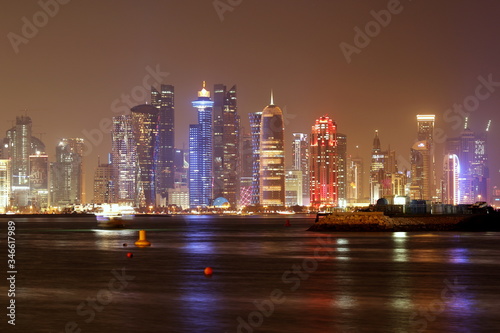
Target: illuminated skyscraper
[423,177]
[246,161]
[67,173]
[201,153]
[103,183]
[323,169]
[19,144]
[300,155]
[39,181]
[255,121]
[451,171]
[163,100]
[226,131]
[272,157]
[145,129]
[124,160]
[341,153]
[5,185]
[376,170]
[354,179]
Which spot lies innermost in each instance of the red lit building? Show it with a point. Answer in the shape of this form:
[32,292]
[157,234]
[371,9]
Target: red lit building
[323,167]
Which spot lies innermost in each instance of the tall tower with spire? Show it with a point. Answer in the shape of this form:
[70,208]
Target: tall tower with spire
[272,156]
[376,169]
[201,152]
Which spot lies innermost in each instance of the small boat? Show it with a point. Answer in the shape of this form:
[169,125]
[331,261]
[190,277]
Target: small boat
[286,212]
[110,220]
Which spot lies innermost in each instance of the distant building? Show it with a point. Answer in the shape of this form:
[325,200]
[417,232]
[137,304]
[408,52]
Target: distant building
[5,185]
[355,179]
[124,160]
[19,144]
[255,127]
[201,153]
[323,168]
[450,189]
[341,153]
[423,177]
[163,100]
[145,129]
[300,155]
[103,184]
[226,140]
[67,173]
[293,188]
[246,175]
[179,195]
[272,157]
[39,181]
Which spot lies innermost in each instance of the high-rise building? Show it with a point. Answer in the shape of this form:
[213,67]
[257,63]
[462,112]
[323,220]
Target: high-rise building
[341,153]
[179,195]
[145,128]
[450,189]
[300,155]
[19,144]
[423,177]
[323,169]
[38,180]
[103,183]
[272,157]
[5,184]
[293,188]
[377,172]
[255,123]
[201,153]
[246,175]
[67,173]
[124,160]
[471,150]
[355,179]
[226,141]
[163,100]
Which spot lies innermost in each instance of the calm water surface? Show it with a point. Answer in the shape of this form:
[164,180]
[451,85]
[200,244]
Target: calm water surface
[267,278]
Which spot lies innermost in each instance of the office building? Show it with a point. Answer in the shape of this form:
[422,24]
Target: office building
[272,157]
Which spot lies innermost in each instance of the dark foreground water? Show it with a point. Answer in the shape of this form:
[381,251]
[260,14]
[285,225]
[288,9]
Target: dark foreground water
[73,277]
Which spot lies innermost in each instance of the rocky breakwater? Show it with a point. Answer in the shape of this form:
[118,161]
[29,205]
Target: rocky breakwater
[377,221]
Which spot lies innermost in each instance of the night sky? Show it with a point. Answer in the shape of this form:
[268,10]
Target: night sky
[425,60]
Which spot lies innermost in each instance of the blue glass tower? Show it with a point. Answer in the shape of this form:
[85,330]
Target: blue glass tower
[201,152]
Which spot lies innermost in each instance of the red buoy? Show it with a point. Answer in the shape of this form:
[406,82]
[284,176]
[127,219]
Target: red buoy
[209,271]
[287,224]
[130,254]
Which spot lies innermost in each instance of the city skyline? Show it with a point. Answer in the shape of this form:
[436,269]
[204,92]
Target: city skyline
[400,72]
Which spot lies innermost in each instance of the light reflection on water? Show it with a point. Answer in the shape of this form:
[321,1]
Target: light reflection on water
[357,282]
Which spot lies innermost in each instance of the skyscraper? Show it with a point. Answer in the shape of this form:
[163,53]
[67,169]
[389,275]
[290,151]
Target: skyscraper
[376,170]
[103,183]
[272,157]
[145,128]
[163,100]
[451,170]
[39,184]
[255,123]
[423,177]
[246,175]
[226,140]
[201,152]
[66,172]
[323,169]
[124,160]
[5,184]
[341,153]
[300,155]
[355,179]
[19,144]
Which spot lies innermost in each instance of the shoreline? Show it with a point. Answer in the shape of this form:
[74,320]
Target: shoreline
[377,222]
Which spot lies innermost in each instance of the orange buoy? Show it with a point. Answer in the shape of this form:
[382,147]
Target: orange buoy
[142,242]
[209,271]
[130,254]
